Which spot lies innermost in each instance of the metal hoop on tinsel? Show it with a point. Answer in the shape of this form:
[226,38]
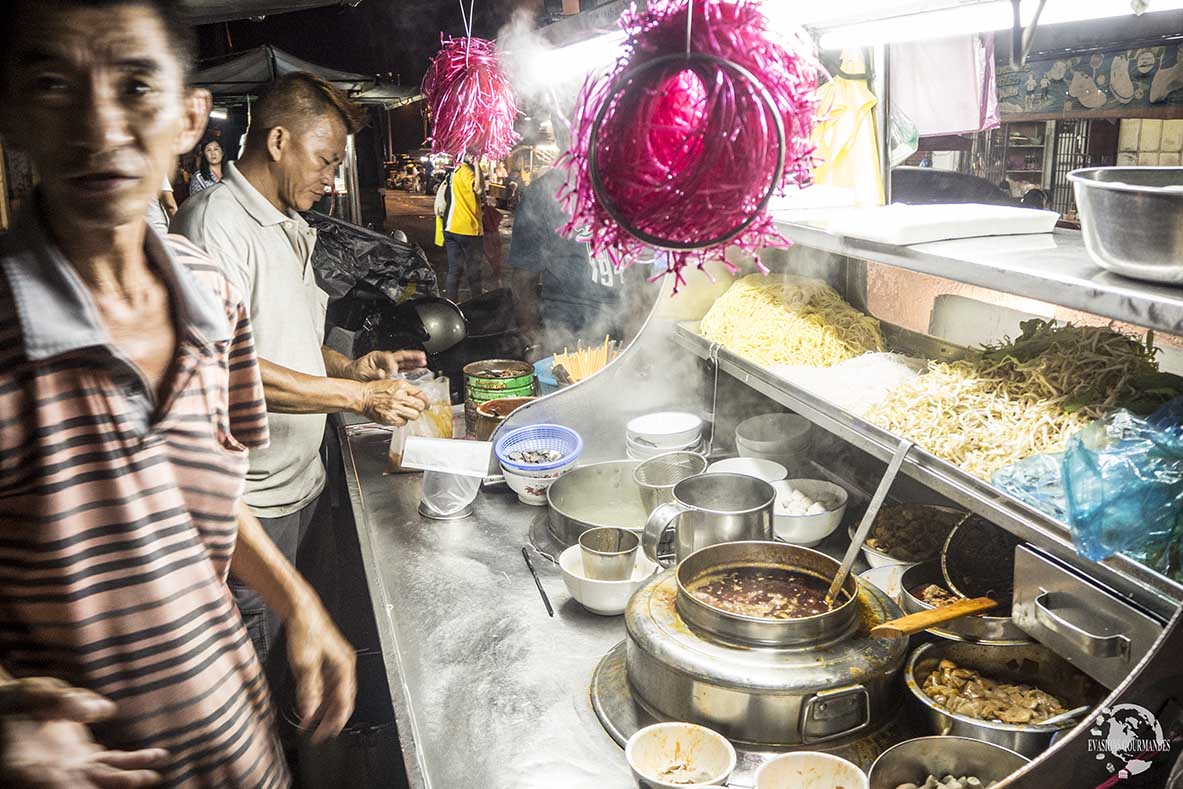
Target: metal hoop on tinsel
[621,84]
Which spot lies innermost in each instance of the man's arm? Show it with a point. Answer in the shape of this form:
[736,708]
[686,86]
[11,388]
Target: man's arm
[169,203]
[322,661]
[291,392]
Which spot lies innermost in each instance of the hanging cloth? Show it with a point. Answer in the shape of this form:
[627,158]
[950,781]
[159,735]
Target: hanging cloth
[947,85]
[847,143]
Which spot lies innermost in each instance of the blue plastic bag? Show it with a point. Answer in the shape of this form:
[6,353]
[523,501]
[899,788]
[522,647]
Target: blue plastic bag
[1123,485]
[1118,484]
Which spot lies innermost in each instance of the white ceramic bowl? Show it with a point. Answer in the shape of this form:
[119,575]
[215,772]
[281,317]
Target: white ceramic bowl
[655,748]
[644,454]
[888,578]
[766,470]
[777,434]
[606,598]
[810,770]
[531,489]
[666,428]
[809,530]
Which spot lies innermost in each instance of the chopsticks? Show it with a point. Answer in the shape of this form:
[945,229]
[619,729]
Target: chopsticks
[530,565]
[585,361]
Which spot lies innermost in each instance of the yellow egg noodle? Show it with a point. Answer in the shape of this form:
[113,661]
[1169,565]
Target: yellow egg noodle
[774,320]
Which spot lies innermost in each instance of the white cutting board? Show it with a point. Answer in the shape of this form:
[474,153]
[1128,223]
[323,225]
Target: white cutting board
[902,224]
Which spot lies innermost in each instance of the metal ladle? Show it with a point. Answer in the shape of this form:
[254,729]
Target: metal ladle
[864,527]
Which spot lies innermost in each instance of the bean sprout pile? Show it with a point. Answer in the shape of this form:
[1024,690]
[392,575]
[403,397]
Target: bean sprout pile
[1020,398]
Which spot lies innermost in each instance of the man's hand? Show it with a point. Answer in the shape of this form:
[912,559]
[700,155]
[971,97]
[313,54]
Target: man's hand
[324,666]
[44,741]
[392,402]
[378,365]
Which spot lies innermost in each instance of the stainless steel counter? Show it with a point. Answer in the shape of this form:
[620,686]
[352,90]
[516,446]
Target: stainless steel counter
[488,690]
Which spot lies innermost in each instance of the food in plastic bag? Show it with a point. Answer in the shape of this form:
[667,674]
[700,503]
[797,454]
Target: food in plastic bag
[434,422]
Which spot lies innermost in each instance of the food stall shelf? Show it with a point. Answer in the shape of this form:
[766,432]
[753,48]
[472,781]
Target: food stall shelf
[1139,584]
[1050,267]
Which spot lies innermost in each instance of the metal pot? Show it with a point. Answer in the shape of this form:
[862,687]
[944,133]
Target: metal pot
[600,494]
[1028,664]
[1132,219]
[912,760]
[709,509]
[834,624]
[835,691]
[983,629]
[498,375]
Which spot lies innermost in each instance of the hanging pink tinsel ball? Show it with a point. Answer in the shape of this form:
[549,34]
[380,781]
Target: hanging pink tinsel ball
[470,99]
[687,150]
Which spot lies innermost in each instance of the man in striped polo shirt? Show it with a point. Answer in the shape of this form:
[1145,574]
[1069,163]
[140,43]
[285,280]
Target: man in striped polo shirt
[130,395]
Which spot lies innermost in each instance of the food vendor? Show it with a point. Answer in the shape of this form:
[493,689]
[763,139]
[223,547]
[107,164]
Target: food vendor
[132,396]
[250,221]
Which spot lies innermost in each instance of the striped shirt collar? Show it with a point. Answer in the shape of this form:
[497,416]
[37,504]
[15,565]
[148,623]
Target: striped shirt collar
[56,311]
[252,200]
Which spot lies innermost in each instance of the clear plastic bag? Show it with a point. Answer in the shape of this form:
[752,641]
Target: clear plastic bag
[903,137]
[434,422]
[447,494]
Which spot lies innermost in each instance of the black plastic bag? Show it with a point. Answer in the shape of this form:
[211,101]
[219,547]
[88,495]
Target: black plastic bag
[346,254]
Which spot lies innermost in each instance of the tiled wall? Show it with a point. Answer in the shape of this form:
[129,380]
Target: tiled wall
[1149,143]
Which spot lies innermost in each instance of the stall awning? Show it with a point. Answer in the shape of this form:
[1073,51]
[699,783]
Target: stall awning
[249,73]
[203,12]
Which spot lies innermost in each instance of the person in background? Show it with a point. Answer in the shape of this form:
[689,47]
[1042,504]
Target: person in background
[461,224]
[250,222]
[209,172]
[162,210]
[131,396]
[561,293]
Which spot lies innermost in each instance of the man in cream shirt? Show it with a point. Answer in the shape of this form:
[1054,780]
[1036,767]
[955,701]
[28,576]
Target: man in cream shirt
[250,222]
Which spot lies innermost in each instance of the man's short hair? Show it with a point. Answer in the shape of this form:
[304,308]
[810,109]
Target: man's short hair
[294,99]
[180,35]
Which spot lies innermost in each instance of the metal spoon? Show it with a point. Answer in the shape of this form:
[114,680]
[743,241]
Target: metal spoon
[1064,717]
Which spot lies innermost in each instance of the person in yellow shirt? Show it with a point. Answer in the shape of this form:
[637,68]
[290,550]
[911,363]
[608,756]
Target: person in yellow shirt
[459,217]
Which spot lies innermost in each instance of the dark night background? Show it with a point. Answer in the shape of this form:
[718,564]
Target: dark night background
[392,38]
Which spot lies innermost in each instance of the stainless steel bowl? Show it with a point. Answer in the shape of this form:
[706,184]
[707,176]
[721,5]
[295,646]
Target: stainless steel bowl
[600,494]
[1029,664]
[912,761]
[837,623]
[1132,219]
[981,629]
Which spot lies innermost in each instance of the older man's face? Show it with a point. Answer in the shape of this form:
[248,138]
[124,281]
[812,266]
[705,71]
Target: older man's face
[96,97]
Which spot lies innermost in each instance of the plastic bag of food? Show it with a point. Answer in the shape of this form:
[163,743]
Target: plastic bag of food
[434,422]
[1123,486]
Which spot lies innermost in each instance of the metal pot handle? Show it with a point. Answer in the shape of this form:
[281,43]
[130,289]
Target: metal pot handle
[661,522]
[816,709]
[1090,644]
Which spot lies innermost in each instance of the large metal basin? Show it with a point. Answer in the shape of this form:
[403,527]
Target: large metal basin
[601,494]
[1132,219]
[1028,664]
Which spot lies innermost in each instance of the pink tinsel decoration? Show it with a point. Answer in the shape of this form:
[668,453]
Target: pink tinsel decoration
[470,99]
[687,151]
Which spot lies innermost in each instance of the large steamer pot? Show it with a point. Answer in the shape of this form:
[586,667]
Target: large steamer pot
[762,631]
[835,692]
[600,494]
[983,629]
[1027,664]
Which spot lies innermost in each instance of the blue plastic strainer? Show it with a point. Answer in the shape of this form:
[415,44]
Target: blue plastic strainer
[537,438]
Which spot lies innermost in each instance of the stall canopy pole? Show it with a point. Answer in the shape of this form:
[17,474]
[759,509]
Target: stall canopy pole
[882,87]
